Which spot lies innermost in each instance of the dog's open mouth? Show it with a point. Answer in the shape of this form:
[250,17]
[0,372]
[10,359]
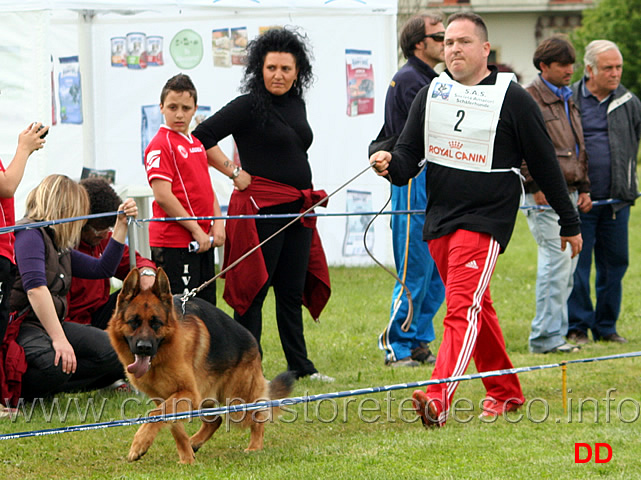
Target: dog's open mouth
[140,366]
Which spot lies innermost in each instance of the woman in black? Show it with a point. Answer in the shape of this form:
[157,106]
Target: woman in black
[269,126]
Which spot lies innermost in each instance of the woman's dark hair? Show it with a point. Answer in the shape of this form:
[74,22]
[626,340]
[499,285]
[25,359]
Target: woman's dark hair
[284,40]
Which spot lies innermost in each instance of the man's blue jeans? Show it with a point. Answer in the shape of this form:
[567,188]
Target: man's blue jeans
[554,278]
[605,234]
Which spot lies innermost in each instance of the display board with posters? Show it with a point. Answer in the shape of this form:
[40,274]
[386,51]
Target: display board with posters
[113,93]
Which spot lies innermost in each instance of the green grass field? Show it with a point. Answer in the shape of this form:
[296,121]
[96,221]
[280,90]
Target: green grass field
[377,436]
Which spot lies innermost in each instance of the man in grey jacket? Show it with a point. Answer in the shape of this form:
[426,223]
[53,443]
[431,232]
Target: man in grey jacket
[611,118]
[554,58]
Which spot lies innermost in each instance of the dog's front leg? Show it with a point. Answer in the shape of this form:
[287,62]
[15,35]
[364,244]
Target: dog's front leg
[143,439]
[185,451]
[208,428]
[182,401]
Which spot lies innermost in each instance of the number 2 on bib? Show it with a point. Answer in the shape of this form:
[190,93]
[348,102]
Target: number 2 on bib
[460,115]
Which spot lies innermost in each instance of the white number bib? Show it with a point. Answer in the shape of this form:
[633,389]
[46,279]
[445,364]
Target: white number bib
[460,122]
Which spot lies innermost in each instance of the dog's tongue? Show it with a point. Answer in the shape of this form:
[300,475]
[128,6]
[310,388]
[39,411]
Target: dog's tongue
[140,365]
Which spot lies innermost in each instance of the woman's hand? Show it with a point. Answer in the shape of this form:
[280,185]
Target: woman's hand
[130,209]
[243,180]
[65,354]
[42,303]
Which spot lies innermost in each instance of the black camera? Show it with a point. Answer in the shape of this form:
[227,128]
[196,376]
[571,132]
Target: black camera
[44,134]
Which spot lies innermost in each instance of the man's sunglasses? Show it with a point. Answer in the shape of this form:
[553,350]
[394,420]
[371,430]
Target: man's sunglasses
[437,37]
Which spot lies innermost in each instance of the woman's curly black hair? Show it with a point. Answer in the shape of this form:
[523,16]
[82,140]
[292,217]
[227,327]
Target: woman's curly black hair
[286,40]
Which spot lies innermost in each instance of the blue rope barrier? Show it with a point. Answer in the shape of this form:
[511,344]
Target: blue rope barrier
[283,215]
[47,223]
[247,407]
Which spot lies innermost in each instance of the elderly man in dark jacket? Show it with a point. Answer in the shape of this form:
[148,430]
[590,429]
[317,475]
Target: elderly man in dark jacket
[611,118]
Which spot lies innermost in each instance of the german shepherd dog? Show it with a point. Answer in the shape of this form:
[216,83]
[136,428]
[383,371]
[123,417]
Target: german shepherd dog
[183,362]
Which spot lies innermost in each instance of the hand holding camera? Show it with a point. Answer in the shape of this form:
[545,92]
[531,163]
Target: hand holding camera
[32,138]
[44,134]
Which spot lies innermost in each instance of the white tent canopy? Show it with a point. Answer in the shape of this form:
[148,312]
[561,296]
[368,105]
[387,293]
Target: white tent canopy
[36,35]
[384,6]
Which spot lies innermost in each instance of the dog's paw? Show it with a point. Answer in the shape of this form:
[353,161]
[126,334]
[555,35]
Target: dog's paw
[139,447]
[135,454]
[187,458]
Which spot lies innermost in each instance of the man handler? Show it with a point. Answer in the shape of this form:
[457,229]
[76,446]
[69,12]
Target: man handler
[474,126]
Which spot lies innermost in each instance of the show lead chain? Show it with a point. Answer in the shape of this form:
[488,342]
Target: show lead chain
[248,407]
[192,293]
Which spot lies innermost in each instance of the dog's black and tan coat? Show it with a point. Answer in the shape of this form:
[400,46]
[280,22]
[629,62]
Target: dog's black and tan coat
[187,362]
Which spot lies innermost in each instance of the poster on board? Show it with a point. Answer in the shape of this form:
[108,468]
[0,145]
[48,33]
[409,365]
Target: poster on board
[360,82]
[358,201]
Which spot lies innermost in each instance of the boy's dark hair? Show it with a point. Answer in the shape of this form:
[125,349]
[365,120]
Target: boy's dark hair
[179,83]
[477,20]
[413,31]
[102,198]
[556,48]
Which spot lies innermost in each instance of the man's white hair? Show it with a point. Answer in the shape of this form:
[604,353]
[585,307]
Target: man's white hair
[593,50]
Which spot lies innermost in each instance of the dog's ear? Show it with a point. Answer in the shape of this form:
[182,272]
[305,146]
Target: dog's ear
[130,288]
[161,287]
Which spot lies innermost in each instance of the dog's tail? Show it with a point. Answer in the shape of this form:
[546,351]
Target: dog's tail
[282,385]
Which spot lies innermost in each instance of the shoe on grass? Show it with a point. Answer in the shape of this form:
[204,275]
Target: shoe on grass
[423,354]
[578,337]
[565,348]
[494,408]
[122,386]
[425,409]
[402,362]
[614,337]
[6,412]
[319,377]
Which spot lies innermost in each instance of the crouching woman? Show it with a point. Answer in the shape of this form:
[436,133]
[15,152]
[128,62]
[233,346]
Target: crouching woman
[61,356]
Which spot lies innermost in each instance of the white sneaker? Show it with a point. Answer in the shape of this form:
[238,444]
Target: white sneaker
[122,386]
[321,378]
[7,412]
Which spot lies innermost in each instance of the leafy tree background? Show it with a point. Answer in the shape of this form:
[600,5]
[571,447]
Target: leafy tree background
[620,22]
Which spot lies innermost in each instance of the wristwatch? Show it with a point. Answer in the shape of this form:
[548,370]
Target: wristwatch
[236,172]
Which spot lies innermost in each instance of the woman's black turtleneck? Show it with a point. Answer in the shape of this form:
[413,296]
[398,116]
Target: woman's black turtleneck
[275,149]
